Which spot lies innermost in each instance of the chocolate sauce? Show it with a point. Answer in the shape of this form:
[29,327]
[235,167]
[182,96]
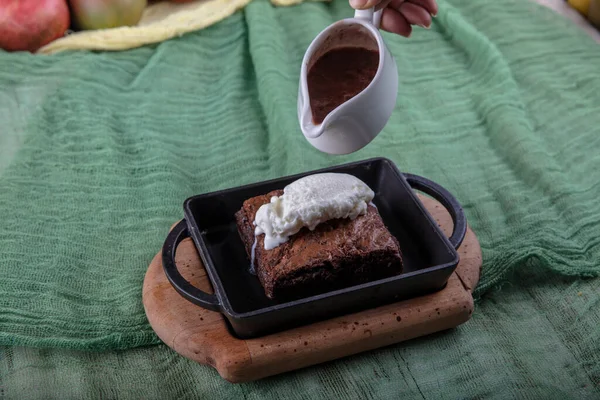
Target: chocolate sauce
[337,76]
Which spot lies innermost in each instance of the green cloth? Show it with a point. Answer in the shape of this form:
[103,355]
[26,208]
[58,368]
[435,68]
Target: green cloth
[497,102]
[536,339]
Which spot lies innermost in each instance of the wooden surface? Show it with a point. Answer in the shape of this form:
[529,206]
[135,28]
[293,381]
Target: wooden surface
[203,336]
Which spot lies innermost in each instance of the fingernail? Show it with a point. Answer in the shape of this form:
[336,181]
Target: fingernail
[358,3]
[425,26]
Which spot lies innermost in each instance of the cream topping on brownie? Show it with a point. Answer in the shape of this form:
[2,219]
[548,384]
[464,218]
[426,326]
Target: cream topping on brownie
[308,202]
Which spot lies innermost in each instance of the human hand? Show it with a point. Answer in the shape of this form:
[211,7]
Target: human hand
[399,15]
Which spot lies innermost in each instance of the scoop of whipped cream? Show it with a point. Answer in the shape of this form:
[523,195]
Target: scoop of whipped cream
[310,201]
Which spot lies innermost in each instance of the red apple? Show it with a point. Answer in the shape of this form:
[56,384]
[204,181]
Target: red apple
[104,14]
[27,25]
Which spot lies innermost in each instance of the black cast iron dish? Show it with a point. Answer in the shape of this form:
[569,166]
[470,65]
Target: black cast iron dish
[429,257]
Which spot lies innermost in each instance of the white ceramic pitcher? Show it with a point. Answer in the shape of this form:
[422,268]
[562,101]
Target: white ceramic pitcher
[355,123]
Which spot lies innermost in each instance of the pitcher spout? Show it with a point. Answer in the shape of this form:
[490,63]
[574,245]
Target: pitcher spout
[309,128]
[305,117]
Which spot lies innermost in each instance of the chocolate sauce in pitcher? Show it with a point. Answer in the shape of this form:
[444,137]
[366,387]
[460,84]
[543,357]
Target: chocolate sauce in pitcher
[337,76]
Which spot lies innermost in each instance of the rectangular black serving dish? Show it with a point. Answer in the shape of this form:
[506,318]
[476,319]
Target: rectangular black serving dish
[429,257]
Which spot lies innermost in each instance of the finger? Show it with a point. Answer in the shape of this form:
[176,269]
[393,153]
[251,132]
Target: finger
[363,4]
[393,21]
[429,5]
[415,15]
[383,4]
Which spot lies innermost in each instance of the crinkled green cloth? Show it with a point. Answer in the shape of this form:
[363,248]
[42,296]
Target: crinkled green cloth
[536,339]
[498,102]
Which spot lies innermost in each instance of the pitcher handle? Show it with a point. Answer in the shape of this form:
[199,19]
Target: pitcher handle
[369,15]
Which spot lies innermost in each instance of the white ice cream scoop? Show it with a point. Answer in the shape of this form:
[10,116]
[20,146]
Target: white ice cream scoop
[310,201]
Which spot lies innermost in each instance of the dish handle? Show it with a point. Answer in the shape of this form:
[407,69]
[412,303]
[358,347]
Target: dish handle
[181,285]
[447,200]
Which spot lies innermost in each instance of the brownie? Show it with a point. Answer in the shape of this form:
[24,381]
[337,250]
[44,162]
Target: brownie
[337,254]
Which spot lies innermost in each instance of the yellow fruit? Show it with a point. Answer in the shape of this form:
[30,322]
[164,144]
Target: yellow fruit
[105,14]
[594,12]
[580,5]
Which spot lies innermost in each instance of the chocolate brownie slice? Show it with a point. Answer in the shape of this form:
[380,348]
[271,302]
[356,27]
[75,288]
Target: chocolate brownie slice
[337,254]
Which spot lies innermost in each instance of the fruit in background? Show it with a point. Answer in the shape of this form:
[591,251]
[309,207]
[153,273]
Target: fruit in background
[27,25]
[105,14]
[589,9]
[580,5]
[594,13]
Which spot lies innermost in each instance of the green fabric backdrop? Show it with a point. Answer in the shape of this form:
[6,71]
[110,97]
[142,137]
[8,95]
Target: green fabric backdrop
[498,102]
[536,339]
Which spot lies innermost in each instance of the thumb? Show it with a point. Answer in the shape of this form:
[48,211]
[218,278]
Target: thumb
[363,4]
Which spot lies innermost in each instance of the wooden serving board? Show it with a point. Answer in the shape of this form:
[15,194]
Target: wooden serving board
[203,336]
